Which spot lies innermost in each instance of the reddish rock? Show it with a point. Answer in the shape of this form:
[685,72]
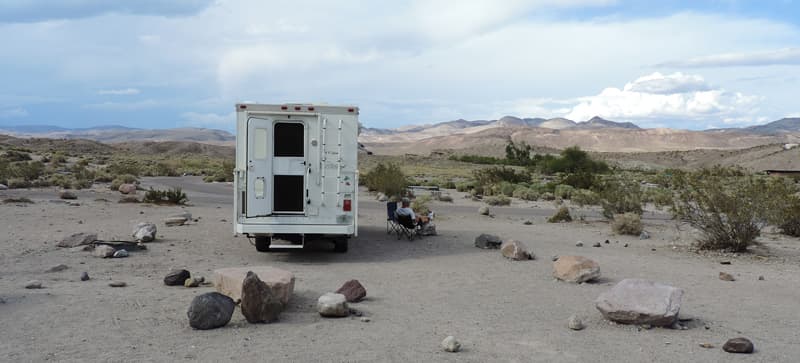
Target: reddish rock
[353,291]
[127,189]
[575,269]
[259,303]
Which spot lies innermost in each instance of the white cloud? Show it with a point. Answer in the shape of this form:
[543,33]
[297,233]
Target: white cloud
[785,56]
[119,92]
[122,106]
[17,112]
[208,119]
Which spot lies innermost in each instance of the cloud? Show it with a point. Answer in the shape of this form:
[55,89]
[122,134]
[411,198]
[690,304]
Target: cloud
[785,56]
[657,83]
[24,11]
[208,119]
[119,92]
[122,106]
[13,113]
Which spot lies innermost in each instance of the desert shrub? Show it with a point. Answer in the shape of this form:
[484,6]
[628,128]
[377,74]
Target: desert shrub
[13,155]
[620,196]
[464,186]
[27,170]
[387,179]
[584,197]
[627,223]
[445,198]
[224,174]
[60,180]
[525,193]
[574,160]
[660,197]
[129,199]
[164,169]
[563,191]
[561,215]
[170,196]
[494,175]
[506,188]
[103,178]
[19,183]
[449,184]
[784,206]
[17,200]
[420,205]
[581,180]
[58,158]
[123,179]
[125,167]
[728,209]
[548,196]
[497,200]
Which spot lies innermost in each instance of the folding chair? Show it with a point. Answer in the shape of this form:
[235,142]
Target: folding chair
[391,219]
[407,227]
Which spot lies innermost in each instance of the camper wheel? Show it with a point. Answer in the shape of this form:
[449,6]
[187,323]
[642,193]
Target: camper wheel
[262,243]
[340,245]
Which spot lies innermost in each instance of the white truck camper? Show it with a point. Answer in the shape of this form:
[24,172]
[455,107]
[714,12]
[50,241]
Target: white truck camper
[296,176]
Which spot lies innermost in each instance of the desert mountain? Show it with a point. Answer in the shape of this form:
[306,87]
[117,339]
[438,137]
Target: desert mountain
[781,126]
[117,134]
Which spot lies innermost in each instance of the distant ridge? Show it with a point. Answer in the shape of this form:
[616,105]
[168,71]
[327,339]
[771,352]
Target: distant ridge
[121,134]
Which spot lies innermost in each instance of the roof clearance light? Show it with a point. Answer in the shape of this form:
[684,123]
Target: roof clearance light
[242,107]
[311,108]
[297,108]
[284,107]
[351,110]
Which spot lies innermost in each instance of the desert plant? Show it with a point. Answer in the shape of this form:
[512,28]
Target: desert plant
[387,179]
[784,206]
[525,193]
[445,198]
[420,204]
[13,155]
[563,191]
[506,188]
[561,215]
[660,197]
[620,196]
[17,200]
[627,223]
[548,196]
[494,175]
[497,200]
[582,197]
[464,186]
[123,179]
[171,196]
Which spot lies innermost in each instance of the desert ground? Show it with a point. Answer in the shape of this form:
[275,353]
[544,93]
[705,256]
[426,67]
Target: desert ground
[418,292]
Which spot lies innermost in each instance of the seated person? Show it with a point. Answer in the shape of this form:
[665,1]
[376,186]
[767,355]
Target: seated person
[405,210]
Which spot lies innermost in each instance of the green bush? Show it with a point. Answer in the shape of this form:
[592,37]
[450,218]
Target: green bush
[497,200]
[464,186]
[548,196]
[660,197]
[495,175]
[13,155]
[123,179]
[171,196]
[19,183]
[563,191]
[621,196]
[125,167]
[526,193]
[627,223]
[561,215]
[387,179]
[583,197]
[506,188]
[420,205]
[581,180]
[784,206]
[574,160]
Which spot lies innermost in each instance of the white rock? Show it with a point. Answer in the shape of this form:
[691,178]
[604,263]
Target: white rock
[638,301]
[332,305]
[575,269]
[450,344]
[575,323]
[144,232]
[121,253]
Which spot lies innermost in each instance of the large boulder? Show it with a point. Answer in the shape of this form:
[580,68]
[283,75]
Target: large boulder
[210,310]
[575,269]
[176,277]
[144,232]
[638,301]
[333,305]
[515,250]
[259,304]
[487,241]
[229,281]
[353,291]
[77,239]
[127,189]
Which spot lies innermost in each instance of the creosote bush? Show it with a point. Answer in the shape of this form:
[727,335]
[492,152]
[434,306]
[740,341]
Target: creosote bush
[561,215]
[583,197]
[497,200]
[627,223]
[123,179]
[387,179]
[171,196]
[621,196]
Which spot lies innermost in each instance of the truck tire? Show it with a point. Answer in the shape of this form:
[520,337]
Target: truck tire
[262,243]
[340,245]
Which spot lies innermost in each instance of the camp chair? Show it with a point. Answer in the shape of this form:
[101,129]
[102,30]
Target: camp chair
[407,227]
[391,219]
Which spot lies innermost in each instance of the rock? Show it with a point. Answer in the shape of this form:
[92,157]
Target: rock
[58,268]
[738,345]
[176,277]
[77,239]
[117,284]
[638,301]
[229,281]
[210,310]
[127,189]
[66,194]
[644,235]
[450,344]
[761,278]
[625,245]
[353,291]
[706,345]
[103,251]
[175,221]
[483,210]
[144,232]
[575,323]
[725,262]
[259,304]
[193,281]
[121,254]
[554,258]
[3,187]
[382,198]
[488,241]
[724,276]
[74,204]
[575,269]
[365,319]
[84,276]
[527,223]
[33,284]
[186,215]
[515,250]
[332,305]
[597,244]
[579,244]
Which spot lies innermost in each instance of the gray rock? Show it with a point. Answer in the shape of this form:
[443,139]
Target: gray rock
[450,344]
[579,244]
[332,305]
[644,235]
[175,221]
[83,248]
[638,301]
[259,304]
[353,291]
[33,284]
[121,253]
[210,310]
[483,210]
[67,195]
[117,284]
[597,244]
[738,345]
[77,239]
[186,215]
[58,268]
[575,323]
[84,276]
[3,187]
[103,251]
[176,277]
[487,241]
[144,232]
[515,250]
[382,198]
[365,319]
[127,189]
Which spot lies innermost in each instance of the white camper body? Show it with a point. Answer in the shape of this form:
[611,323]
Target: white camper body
[296,173]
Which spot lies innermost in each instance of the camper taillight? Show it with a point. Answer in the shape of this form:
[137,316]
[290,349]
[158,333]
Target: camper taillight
[347,206]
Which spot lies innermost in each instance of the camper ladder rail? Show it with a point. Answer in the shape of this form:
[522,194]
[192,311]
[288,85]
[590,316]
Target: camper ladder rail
[339,169]
[322,161]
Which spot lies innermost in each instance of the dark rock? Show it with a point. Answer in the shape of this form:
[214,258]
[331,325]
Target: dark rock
[353,291]
[84,276]
[724,276]
[67,195]
[761,278]
[33,284]
[644,235]
[597,244]
[259,304]
[487,241]
[210,310]
[77,239]
[738,345]
[58,268]
[117,284]
[176,277]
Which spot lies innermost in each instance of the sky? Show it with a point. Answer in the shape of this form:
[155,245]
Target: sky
[186,63]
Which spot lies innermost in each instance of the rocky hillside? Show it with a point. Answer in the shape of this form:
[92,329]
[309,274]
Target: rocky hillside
[116,134]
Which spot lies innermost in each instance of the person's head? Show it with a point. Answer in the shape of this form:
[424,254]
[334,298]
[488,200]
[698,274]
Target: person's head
[405,202]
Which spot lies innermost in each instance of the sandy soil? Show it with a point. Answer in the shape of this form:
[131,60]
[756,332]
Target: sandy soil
[418,292]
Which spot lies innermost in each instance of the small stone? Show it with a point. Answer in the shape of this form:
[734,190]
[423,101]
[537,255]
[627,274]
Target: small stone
[33,284]
[365,319]
[117,284]
[175,221]
[450,344]
[353,291]
[127,189]
[488,241]
[210,310]
[193,282]
[761,278]
[515,250]
[644,235]
[738,345]
[724,276]
[144,232]
[625,245]
[575,323]
[356,312]
[121,253]
[597,244]
[554,258]
[84,276]
[527,223]
[332,305]
[176,277]
[67,195]
[483,210]
[607,242]
[579,244]
[58,268]
[707,345]
[575,269]
[103,251]
[725,262]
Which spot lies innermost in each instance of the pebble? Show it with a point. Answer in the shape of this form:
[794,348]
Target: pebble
[607,242]
[58,268]
[579,244]
[450,344]
[84,276]
[121,253]
[117,284]
[625,245]
[33,284]
[597,244]
[761,278]
[575,323]
[707,345]
[724,276]
[554,258]
[193,281]
[365,319]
